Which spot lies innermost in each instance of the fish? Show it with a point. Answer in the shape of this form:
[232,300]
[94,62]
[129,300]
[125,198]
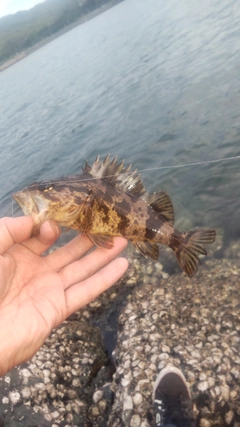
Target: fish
[108,199]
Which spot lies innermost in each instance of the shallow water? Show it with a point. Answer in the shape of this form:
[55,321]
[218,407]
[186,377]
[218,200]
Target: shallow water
[157,84]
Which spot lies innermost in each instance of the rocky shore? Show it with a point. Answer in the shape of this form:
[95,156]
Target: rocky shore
[98,368]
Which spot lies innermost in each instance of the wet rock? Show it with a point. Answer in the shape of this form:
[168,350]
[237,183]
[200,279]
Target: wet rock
[64,398]
[195,326]
[147,323]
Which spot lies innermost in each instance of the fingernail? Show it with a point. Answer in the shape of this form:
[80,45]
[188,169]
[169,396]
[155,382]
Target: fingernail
[54,227]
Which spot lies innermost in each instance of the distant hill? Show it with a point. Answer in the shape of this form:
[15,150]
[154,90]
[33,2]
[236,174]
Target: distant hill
[23,30]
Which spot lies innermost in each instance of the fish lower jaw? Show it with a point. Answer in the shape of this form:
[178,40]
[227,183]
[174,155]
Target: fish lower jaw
[38,220]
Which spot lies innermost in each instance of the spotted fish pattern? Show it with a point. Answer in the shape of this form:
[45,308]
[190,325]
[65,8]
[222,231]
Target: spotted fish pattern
[109,199]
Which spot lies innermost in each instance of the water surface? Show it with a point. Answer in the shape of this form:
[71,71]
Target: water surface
[156,83]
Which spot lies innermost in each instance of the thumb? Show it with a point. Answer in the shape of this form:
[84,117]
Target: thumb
[14,230]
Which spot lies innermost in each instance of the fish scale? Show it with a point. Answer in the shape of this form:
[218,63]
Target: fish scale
[108,199]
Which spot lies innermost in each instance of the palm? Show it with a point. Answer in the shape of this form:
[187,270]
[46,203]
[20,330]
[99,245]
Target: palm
[38,293]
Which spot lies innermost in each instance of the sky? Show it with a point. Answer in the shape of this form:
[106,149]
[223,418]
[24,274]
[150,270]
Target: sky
[8,7]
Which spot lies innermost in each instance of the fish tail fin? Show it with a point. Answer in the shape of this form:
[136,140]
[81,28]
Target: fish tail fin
[189,248]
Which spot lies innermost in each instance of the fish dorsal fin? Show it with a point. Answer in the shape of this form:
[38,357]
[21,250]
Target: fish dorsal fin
[123,178]
[130,182]
[86,168]
[161,203]
[148,249]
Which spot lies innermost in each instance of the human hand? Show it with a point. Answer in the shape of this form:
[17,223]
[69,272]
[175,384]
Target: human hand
[38,293]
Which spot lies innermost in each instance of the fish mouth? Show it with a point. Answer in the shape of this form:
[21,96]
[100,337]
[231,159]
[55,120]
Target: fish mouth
[31,204]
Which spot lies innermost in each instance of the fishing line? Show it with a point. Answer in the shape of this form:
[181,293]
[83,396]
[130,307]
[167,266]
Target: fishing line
[191,164]
[184,165]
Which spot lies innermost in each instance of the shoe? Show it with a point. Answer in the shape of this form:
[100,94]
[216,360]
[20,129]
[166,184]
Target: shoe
[171,399]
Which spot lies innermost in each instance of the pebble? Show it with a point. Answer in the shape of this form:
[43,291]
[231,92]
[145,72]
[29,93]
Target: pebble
[102,405]
[233,394]
[14,397]
[125,382]
[127,403]
[137,399]
[55,414]
[95,411]
[155,316]
[211,382]
[202,386]
[229,417]
[163,356]
[205,423]
[166,349]
[98,395]
[76,382]
[135,421]
[225,392]
[202,376]
[26,392]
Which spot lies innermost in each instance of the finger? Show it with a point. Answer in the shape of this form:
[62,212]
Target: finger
[91,263]
[83,293]
[14,230]
[69,253]
[48,234]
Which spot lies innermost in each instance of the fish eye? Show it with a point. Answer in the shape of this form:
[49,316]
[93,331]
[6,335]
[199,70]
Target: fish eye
[48,188]
[45,187]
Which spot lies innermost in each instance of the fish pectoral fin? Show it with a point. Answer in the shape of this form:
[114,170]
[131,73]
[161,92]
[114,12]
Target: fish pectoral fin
[148,249]
[162,204]
[101,240]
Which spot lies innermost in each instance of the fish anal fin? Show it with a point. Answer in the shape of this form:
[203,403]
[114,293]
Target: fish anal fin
[190,248]
[162,204]
[101,240]
[148,249]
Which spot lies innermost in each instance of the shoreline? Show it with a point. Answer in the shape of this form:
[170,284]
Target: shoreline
[59,33]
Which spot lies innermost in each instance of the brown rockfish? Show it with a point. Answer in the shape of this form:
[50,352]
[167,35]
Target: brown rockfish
[108,200]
